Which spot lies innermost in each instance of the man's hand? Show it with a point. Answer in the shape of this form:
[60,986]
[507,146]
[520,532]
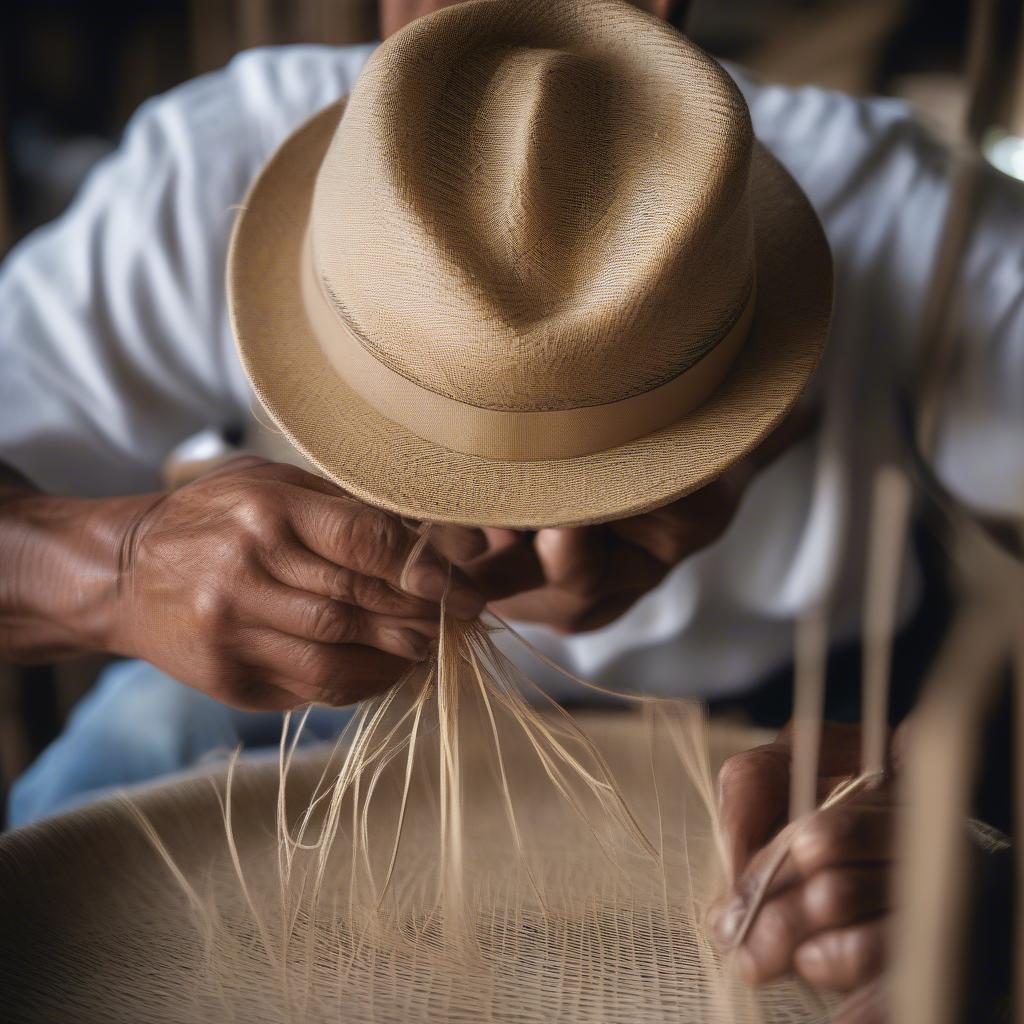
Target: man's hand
[824,915]
[260,584]
[268,587]
[581,579]
[575,580]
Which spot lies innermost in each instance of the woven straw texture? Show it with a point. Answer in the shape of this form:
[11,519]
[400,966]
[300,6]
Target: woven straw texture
[96,928]
[529,208]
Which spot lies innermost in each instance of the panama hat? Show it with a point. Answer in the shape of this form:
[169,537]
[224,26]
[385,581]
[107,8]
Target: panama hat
[535,270]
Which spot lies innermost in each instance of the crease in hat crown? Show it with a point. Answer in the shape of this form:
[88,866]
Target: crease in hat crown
[523,209]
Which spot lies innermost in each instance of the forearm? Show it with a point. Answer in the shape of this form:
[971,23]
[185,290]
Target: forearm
[60,569]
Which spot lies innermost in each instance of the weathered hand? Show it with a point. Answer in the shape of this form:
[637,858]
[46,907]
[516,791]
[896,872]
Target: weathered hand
[824,915]
[268,587]
[580,579]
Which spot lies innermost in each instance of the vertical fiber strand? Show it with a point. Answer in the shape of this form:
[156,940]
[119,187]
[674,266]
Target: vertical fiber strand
[890,518]
[808,707]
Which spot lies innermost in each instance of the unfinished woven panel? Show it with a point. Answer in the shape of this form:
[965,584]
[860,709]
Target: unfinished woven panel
[575,921]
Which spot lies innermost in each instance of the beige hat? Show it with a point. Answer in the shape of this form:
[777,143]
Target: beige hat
[534,271]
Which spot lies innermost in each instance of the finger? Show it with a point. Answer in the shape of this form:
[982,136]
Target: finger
[754,786]
[753,800]
[458,544]
[851,834]
[312,617]
[299,568]
[859,831]
[323,673]
[832,899]
[839,754]
[845,958]
[572,560]
[374,543]
[593,564]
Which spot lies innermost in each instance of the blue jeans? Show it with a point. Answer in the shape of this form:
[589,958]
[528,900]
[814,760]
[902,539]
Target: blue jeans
[139,724]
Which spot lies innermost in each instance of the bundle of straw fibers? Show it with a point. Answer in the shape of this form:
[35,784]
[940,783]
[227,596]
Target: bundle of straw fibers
[226,896]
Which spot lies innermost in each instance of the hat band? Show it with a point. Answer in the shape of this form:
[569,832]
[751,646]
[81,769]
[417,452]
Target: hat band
[514,436]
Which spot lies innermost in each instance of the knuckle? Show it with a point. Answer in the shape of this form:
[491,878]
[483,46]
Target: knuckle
[831,897]
[747,765]
[213,608]
[368,592]
[370,535]
[733,771]
[340,584]
[731,767]
[824,839]
[326,622]
[256,513]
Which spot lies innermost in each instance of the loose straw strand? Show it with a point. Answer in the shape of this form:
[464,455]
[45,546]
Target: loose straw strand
[808,708]
[890,518]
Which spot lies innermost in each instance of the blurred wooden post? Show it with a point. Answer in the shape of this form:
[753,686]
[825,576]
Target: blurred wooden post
[932,873]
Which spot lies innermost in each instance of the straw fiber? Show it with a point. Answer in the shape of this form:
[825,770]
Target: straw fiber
[574,920]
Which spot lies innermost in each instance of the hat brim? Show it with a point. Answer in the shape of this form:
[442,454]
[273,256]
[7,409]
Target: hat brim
[386,465]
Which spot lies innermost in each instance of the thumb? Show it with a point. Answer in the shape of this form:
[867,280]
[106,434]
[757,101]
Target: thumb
[753,801]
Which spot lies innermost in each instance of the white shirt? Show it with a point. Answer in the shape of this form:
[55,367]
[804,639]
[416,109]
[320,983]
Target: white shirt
[115,347]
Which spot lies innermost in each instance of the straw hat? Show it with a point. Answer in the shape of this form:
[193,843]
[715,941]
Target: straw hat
[534,271]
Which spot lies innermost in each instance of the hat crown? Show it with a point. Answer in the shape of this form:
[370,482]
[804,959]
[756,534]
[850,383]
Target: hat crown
[532,206]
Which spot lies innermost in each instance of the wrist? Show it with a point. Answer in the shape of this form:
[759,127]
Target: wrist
[63,588]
